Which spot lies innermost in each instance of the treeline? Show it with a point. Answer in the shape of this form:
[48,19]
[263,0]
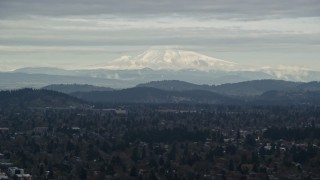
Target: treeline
[25,98]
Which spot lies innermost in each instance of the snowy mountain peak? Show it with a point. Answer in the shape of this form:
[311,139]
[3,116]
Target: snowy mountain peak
[166,58]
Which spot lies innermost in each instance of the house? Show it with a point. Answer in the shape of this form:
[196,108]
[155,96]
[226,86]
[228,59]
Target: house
[18,174]
[3,176]
[268,147]
[12,171]
[23,177]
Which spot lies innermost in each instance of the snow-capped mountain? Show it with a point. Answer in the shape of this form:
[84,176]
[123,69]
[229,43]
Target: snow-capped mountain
[157,64]
[162,60]
[170,59]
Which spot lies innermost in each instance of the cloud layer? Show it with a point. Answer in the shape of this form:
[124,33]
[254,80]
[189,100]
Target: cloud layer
[93,26]
[247,9]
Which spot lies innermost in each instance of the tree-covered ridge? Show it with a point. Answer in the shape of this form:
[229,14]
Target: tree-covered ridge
[153,95]
[246,88]
[289,97]
[29,98]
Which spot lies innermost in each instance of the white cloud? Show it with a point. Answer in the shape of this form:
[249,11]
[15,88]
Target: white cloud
[287,72]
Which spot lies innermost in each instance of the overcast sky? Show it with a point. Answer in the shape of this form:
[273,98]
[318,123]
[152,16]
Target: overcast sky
[79,33]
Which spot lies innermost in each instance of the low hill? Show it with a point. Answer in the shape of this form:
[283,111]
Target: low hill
[255,87]
[153,95]
[174,85]
[31,98]
[310,86]
[289,98]
[71,88]
[247,88]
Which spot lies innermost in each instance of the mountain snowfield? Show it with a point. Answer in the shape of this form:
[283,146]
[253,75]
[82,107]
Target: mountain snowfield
[171,59]
[175,59]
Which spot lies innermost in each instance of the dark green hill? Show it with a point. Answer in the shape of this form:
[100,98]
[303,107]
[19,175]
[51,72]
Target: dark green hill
[310,86]
[256,87]
[246,88]
[153,95]
[289,98]
[31,98]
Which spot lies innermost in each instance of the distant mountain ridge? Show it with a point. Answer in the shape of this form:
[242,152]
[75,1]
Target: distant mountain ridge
[263,92]
[45,70]
[115,79]
[71,88]
[157,96]
[247,88]
[24,80]
[174,85]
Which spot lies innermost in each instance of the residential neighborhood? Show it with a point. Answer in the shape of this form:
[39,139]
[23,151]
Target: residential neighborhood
[157,142]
